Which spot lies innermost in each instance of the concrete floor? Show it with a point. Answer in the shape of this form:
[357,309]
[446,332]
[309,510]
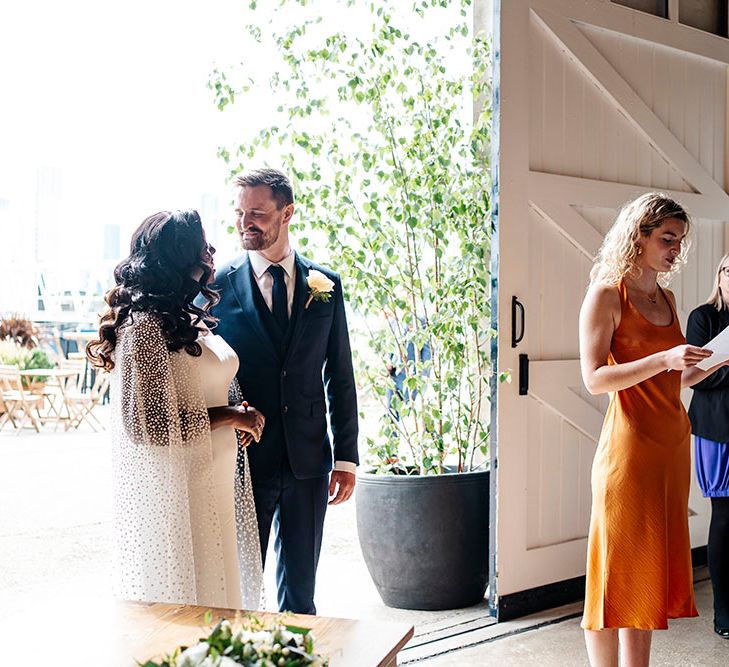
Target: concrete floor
[54,539]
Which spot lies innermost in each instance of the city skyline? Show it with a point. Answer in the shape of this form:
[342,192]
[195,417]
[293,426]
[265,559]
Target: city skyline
[43,257]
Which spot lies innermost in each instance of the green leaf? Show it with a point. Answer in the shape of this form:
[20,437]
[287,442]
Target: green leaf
[297,629]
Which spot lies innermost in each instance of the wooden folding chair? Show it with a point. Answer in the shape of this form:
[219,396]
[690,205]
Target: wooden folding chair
[82,403]
[5,413]
[21,405]
[79,360]
[59,408]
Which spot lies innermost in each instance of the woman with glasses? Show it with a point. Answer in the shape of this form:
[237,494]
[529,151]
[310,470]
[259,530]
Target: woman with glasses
[709,414]
[631,346]
[184,518]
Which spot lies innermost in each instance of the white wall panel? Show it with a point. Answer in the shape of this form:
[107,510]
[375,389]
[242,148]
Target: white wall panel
[680,88]
[576,131]
[558,274]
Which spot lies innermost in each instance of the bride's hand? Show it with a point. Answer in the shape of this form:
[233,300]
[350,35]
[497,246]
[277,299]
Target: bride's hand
[248,420]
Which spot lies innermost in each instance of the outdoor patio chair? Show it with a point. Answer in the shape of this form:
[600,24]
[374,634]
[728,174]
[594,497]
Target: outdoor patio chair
[77,364]
[87,372]
[84,402]
[58,407]
[5,414]
[21,406]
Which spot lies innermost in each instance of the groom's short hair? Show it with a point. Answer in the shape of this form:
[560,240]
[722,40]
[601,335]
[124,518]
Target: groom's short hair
[279,183]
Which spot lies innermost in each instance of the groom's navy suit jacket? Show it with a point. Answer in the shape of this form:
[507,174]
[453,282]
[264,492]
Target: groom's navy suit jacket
[291,376]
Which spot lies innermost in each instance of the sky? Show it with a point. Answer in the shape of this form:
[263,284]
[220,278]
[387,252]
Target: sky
[114,96]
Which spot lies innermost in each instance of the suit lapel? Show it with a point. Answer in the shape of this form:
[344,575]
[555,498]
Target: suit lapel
[241,281]
[298,313]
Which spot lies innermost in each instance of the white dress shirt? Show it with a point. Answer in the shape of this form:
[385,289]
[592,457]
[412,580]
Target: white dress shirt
[264,280]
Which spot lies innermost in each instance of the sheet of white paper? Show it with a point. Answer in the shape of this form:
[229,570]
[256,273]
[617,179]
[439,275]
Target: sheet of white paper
[719,345]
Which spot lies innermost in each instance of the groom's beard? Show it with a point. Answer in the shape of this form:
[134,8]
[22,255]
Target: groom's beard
[260,240]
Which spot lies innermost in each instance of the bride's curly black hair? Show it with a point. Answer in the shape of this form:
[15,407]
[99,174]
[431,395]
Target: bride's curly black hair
[169,264]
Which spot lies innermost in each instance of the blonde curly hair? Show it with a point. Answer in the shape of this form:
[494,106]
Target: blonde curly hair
[618,254]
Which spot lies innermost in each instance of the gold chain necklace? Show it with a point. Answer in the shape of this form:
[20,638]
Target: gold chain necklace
[653,299]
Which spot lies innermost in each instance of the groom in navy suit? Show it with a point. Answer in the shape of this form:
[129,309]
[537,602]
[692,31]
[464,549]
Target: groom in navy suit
[295,366]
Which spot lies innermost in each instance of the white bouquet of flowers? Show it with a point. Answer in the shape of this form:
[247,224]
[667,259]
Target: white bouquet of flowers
[250,642]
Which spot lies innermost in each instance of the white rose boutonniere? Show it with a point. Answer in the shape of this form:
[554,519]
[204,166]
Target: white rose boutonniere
[320,287]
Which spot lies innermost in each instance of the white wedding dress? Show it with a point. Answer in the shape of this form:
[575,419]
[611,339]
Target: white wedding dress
[185,521]
[217,366]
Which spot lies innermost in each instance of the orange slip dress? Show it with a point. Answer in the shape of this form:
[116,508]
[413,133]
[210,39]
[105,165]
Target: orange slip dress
[639,553]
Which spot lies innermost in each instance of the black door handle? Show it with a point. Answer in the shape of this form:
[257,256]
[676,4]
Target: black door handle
[517,305]
[523,374]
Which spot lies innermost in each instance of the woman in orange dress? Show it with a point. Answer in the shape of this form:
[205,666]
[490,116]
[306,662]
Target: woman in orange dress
[639,554]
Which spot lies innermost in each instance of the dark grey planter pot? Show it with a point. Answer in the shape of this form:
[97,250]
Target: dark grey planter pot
[425,540]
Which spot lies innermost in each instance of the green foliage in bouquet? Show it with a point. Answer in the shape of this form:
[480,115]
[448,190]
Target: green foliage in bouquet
[252,642]
[384,124]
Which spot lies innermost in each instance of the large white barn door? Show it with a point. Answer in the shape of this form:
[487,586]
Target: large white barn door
[598,104]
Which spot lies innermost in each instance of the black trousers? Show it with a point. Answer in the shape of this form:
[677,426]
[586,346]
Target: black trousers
[296,509]
[718,555]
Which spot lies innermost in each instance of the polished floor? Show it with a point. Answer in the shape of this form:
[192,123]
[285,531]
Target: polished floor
[687,643]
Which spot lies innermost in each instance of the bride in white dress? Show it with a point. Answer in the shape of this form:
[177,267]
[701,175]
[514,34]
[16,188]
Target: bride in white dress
[185,523]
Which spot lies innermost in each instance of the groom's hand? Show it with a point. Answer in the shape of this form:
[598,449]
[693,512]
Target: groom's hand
[341,486]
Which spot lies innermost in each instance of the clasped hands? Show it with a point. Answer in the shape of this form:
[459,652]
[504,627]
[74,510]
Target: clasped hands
[241,417]
[250,421]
